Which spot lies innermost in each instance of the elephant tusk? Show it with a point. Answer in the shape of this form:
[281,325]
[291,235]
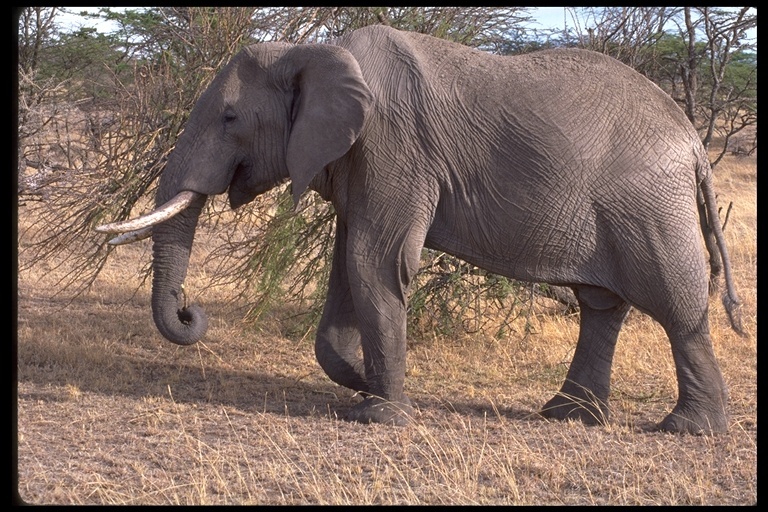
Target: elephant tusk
[132,236]
[164,212]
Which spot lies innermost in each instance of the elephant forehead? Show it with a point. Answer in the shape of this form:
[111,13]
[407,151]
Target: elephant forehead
[234,86]
[231,90]
[245,95]
[266,53]
[224,89]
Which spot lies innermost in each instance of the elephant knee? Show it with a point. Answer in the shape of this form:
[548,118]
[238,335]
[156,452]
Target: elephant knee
[343,367]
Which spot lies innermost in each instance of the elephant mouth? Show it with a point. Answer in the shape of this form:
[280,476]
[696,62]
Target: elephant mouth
[246,186]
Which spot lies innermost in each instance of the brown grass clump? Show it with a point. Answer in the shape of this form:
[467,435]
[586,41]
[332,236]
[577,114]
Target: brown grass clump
[109,413]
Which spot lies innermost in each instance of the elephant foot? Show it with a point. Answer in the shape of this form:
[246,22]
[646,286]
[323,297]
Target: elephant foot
[684,420]
[582,405]
[378,410]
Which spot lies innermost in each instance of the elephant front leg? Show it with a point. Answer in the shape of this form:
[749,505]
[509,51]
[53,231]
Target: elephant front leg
[380,270]
[384,347]
[337,345]
[584,395]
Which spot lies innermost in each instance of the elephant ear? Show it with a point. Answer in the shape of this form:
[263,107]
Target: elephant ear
[330,103]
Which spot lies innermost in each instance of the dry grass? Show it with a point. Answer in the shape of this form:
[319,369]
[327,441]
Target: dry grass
[109,413]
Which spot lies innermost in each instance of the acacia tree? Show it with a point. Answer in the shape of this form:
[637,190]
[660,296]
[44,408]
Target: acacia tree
[59,76]
[102,158]
[628,34]
[730,105]
[38,96]
[699,55]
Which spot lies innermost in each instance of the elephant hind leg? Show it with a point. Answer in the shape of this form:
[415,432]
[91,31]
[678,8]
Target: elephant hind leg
[584,395]
[702,394]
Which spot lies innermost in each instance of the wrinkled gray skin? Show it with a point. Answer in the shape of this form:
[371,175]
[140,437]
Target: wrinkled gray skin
[562,166]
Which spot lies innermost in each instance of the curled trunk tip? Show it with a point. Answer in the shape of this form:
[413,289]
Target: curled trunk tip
[185,326]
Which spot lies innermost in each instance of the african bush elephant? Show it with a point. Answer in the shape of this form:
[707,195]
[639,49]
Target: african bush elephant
[562,166]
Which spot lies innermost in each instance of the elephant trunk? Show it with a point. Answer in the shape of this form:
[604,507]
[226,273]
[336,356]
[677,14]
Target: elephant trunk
[172,244]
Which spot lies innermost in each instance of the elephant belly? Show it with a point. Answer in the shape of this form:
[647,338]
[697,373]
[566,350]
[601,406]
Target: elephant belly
[511,247]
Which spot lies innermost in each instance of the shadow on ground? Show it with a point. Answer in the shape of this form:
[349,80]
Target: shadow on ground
[113,349]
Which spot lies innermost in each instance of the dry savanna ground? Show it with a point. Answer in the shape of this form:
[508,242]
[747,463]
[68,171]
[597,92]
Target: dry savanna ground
[110,413]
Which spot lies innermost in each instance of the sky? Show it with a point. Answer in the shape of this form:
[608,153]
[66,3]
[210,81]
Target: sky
[546,18]
[555,17]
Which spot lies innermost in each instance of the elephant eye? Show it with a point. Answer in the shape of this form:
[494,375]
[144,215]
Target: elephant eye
[229,116]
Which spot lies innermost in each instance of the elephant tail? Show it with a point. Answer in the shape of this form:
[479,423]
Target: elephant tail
[712,229]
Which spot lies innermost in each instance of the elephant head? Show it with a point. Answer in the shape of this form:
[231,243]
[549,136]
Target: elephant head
[275,112]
